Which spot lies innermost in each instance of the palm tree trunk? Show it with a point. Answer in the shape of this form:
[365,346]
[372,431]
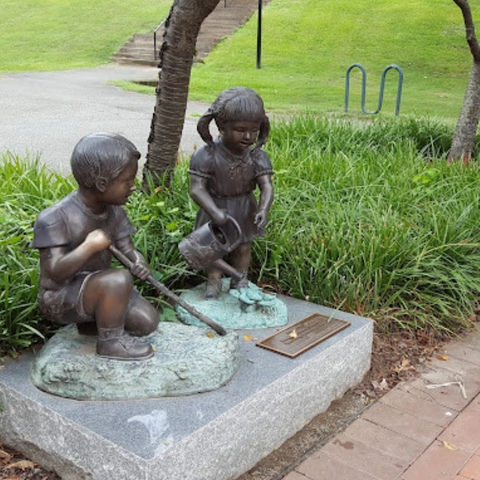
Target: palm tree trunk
[466,129]
[467,124]
[176,59]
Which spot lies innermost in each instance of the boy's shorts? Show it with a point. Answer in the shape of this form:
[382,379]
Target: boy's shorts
[66,305]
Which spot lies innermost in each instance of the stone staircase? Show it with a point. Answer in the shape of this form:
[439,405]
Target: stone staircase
[222,22]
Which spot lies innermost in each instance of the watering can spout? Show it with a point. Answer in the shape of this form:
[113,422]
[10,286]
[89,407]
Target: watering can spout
[227,269]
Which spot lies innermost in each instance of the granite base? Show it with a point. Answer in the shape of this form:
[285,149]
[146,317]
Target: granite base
[210,436]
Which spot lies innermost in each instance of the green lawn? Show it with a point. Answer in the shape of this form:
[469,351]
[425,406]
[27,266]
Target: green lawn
[308,46]
[63,34]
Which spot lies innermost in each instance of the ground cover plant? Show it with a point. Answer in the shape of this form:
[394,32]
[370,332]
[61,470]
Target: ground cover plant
[368,217]
[371,218]
[52,35]
[30,187]
[27,189]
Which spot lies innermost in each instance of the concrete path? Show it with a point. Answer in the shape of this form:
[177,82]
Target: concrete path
[47,113]
[417,431]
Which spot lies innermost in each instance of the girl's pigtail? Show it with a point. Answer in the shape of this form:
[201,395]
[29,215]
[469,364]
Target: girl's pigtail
[203,127]
[264,133]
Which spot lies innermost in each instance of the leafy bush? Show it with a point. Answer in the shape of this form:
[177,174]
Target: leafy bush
[364,221]
[367,217]
[27,188]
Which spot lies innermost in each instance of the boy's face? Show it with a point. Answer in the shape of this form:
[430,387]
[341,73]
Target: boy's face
[238,136]
[122,187]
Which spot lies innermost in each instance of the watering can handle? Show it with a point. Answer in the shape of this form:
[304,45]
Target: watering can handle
[237,242]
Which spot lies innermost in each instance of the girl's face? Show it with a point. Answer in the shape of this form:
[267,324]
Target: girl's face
[238,136]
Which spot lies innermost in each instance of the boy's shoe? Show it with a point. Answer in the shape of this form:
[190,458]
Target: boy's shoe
[114,343]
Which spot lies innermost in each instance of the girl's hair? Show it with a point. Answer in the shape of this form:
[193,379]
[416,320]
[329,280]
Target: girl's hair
[101,155]
[236,104]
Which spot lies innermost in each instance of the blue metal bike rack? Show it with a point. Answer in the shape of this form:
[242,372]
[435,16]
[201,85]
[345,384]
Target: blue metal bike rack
[382,87]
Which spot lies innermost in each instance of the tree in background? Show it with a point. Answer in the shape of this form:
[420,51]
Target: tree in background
[466,129]
[176,60]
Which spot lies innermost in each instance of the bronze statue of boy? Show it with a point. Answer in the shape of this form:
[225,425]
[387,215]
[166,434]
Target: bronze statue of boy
[77,283]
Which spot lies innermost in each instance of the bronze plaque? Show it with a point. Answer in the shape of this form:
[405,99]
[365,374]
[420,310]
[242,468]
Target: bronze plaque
[299,337]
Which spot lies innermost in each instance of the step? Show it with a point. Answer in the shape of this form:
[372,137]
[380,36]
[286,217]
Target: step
[133,61]
[148,57]
[217,435]
[221,29]
[221,23]
[231,15]
[136,49]
[142,36]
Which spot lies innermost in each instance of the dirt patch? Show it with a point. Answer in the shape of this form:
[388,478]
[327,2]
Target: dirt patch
[14,466]
[396,357]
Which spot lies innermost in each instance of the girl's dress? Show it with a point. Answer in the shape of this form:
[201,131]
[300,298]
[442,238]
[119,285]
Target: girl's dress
[231,181]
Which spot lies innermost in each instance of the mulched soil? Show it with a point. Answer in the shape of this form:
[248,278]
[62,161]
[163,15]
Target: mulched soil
[396,357]
[14,466]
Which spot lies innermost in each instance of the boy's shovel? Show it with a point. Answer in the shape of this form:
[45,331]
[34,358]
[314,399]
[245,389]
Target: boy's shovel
[121,257]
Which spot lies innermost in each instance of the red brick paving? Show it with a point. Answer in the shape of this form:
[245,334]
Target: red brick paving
[400,422]
[364,458]
[464,431]
[413,432]
[437,462]
[472,469]
[324,467]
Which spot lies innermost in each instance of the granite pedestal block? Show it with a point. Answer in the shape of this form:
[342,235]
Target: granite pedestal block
[210,436]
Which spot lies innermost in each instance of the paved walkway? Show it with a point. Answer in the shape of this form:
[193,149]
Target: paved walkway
[417,431]
[47,113]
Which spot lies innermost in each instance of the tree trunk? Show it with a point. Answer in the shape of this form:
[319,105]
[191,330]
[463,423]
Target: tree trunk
[466,129]
[176,59]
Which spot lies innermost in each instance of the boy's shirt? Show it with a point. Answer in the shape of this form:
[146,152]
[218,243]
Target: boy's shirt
[68,222]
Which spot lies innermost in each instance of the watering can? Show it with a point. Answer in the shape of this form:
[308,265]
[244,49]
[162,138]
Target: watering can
[205,247]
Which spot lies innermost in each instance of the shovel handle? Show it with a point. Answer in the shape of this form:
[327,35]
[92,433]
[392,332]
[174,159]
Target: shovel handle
[120,256]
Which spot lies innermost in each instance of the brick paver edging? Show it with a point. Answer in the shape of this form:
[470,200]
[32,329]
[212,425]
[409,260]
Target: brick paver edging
[425,429]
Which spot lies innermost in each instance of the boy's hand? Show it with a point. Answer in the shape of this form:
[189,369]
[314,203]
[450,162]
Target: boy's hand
[261,218]
[97,240]
[141,270]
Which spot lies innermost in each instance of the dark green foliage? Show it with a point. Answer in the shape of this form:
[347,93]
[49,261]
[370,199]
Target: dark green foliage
[27,189]
[368,217]
[365,217]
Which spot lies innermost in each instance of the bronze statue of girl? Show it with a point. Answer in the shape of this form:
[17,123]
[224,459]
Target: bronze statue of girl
[225,173]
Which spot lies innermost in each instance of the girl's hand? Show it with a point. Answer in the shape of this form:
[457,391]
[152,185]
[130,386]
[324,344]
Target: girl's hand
[219,217]
[141,270]
[97,240]
[261,218]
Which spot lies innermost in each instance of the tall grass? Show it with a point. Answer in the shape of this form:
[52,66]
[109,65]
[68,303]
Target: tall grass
[27,188]
[368,217]
[162,220]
